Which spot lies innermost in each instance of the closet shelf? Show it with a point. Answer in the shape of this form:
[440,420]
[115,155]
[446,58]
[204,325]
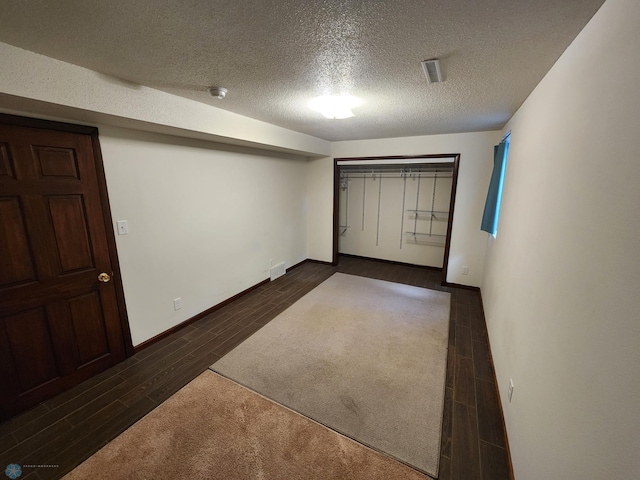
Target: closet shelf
[430,214]
[427,238]
[428,211]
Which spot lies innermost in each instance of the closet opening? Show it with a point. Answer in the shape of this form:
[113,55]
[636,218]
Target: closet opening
[396,208]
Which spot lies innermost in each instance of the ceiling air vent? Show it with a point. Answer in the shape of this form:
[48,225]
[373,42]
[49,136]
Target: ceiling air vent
[432,70]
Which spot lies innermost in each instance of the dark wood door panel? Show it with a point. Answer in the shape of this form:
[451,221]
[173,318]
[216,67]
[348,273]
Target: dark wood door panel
[58,323]
[89,324]
[31,348]
[13,401]
[52,341]
[15,257]
[57,162]
[69,221]
[6,163]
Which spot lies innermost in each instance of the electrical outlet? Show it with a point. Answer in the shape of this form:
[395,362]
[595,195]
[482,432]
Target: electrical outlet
[510,391]
[465,270]
[177,303]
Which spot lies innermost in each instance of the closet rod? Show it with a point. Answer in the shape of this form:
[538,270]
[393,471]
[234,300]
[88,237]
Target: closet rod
[401,175]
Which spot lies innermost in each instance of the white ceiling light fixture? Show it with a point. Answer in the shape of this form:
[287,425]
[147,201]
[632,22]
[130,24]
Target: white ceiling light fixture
[335,106]
[218,92]
[432,70]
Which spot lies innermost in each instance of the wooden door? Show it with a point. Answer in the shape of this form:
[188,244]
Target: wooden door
[58,323]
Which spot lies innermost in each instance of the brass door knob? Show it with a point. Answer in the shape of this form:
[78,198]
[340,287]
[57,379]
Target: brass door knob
[104,277]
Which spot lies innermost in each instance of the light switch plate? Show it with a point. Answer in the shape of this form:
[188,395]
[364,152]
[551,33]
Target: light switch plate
[123,227]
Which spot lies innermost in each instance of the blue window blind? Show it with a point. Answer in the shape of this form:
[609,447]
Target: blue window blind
[494,195]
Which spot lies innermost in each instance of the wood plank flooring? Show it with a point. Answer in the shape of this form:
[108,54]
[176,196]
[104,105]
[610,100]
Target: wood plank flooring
[60,433]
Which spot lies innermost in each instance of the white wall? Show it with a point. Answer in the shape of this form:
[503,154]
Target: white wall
[204,221]
[562,280]
[468,243]
[383,234]
[320,209]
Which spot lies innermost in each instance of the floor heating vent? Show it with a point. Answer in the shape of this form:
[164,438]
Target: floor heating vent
[277,271]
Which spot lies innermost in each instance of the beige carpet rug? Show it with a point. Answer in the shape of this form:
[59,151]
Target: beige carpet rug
[215,429]
[364,357]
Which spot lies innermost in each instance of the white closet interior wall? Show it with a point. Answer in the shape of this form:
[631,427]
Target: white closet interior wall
[395,214]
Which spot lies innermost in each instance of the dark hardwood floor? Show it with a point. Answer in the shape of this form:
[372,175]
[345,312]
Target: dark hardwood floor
[55,436]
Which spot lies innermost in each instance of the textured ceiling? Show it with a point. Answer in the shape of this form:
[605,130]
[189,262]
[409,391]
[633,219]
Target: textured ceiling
[275,55]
